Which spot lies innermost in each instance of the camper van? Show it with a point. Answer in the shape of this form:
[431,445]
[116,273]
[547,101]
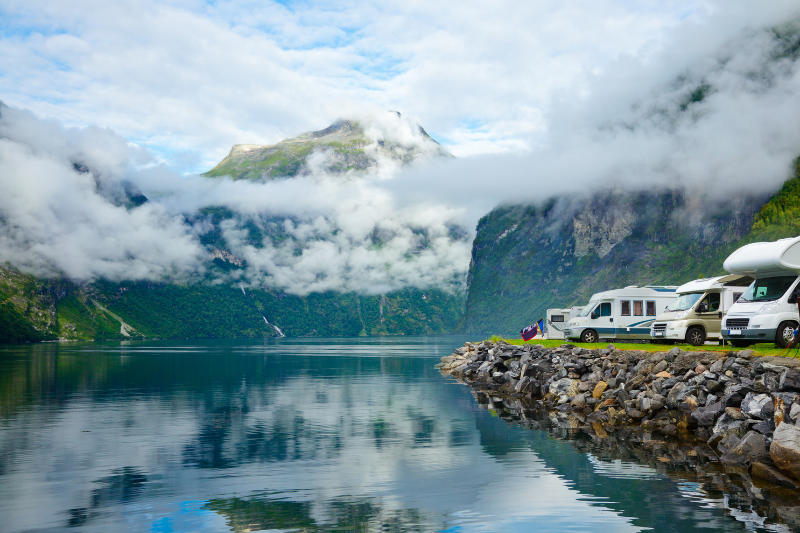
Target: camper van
[556,319]
[695,315]
[619,314]
[764,312]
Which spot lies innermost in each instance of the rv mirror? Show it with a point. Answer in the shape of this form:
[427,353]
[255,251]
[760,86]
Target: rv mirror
[594,315]
[702,308]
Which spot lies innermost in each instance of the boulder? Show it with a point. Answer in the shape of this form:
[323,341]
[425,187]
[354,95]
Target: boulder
[705,416]
[790,381]
[751,448]
[660,367]
[758,406]
[716,366]
[767,473]
[725,426]
[673,398]
[765,427]
[795,412]
[735,395]
[564,388]
[785,449]
[599,389]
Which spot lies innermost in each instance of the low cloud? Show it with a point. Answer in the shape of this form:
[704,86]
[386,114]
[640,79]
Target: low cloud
[67,210]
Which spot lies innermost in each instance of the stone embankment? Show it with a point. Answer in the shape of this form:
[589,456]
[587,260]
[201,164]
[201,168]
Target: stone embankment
[745,407]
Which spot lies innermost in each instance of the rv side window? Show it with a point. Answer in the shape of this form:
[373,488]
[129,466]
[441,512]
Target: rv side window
[626,308]
[605,309]
[638,309]
[556,318]
[651,308]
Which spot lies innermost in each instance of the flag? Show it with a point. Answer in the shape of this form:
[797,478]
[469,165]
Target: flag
[540,323]
[529,332]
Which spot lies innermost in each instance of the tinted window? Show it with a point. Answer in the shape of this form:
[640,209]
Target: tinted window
[638,309]
[626,308]
[605,309]
[712,301]
[767,289]
[651,308]
[556,318]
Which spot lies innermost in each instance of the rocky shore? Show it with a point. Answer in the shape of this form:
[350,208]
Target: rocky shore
[735,409]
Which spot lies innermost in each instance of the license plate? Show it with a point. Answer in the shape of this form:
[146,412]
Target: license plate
[734,332]
[658,333]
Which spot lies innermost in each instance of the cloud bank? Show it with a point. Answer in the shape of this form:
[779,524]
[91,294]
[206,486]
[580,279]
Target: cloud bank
[66,210]
[715,112]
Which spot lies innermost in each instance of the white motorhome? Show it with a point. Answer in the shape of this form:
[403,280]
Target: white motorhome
[696,313]
[619,314]
[556,319]
[763,313]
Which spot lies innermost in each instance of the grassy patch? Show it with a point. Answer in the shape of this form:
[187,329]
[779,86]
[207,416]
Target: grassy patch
[760,349]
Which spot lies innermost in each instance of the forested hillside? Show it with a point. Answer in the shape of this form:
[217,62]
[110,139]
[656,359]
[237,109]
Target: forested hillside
[527,259]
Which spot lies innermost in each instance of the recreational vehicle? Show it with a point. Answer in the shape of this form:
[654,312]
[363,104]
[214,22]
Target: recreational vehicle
[764,312]
[695,315]
[557,318]
[619,314]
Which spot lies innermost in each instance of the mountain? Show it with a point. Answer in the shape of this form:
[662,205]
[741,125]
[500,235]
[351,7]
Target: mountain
[527,258]
[216,305]
[344,144]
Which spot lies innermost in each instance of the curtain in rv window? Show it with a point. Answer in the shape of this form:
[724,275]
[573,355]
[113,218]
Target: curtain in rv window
[605,309]
[556,318]
[626,308]
[638,309]
[651,308]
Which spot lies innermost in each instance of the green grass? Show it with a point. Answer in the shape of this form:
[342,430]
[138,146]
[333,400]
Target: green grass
[760,349]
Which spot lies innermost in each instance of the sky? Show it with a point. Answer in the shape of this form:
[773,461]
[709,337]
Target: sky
[188,79]
[534,99]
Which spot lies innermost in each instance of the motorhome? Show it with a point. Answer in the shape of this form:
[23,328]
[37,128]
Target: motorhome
[557,318]
[764,312]
[695,315]
[619,314]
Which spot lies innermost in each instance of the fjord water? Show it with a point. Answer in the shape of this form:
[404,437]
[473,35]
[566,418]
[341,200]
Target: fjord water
[299,435]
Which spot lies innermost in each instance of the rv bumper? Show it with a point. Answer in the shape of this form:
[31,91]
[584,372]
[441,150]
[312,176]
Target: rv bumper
[672,334]
[572,333]
[749,334]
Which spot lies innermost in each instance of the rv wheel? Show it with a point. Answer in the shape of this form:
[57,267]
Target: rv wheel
[589,335]
[784,334]
[696,336]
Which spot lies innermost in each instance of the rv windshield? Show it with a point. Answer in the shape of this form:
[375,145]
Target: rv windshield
[684,301]
[767,289]
[588,309]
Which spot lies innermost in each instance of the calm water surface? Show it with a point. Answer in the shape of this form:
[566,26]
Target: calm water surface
[299,435]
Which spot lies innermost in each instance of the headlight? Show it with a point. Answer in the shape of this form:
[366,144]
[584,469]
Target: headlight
[766,308]
[680,315]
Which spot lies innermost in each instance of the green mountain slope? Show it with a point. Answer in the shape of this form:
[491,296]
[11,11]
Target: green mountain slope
[527,259]
[345,144]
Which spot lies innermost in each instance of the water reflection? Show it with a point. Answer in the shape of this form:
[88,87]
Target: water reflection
[318,435]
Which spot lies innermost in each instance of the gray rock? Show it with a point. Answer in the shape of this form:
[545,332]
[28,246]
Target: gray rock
[726,425]
[675,352]
[673,398]
[564,387]
[716,367]
[751,448]
[713,385]
[657,403]
[660,367]
[746,354]
[735,395]
[706,416]
[727,442]
[790,381]
[785,449]
[765,427]
[795,412]
[758,406]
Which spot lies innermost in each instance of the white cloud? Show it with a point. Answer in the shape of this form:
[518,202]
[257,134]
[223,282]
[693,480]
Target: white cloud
[192,77]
